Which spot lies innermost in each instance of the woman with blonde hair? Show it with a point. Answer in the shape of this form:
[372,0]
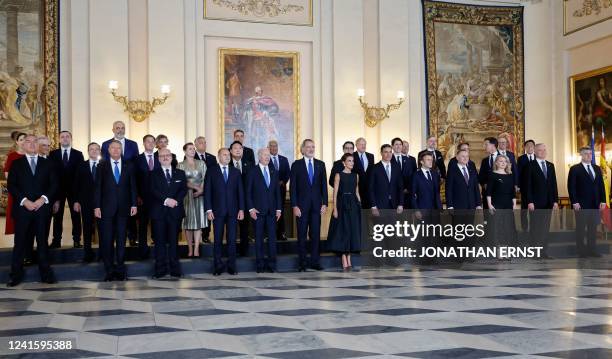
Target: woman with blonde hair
[501,198]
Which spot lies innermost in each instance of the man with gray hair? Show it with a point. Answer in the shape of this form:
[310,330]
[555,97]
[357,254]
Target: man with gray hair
[281,165]
[43,146]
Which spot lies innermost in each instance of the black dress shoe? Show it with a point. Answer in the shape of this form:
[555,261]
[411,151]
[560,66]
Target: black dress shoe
[28,262]
[270,270]
[282,237]
[78,245]
[176,275]
[14,282]
[217,273]
[159,275]
[260,270]
[54,245]
[50,279]
[316,267]
[302,269]
[122,277]
[232,271]
[109,277]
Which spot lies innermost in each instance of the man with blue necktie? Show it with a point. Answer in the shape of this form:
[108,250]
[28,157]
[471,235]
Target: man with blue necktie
[281,164]
[309,202]
[114,202]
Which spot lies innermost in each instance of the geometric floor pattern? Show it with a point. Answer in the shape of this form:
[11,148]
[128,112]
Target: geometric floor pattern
[503,310]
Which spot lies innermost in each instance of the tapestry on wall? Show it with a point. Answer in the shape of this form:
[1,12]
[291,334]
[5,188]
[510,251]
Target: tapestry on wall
[474,61]
[580,14]
[289,12]
[259,93]
[591,107]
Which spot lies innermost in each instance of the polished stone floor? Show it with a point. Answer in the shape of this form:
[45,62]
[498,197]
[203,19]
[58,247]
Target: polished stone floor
[510,310]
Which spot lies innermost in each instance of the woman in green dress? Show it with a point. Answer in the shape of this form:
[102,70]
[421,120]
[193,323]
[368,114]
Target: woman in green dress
[195,217]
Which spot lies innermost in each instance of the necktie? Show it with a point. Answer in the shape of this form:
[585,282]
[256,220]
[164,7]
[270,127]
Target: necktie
[310,171]
[93,170]
[428,175]
[202,157]
[117,173]
[433,153]
[388,172]
[267,177]
[275,163]
[150,162]
[543,165]
[225,173]
[399,161]
[238,166]
[65,158]
[591,172]
[168,176]
[33,165]
[361,159]
[465,176]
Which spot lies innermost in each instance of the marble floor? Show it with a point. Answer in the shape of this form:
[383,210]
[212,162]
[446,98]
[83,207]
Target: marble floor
[504,310]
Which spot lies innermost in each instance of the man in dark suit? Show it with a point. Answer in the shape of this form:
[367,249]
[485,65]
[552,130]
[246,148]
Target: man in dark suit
[462,191]
[523,168]
[464,146]
[84,184]
[308,194]
[587,194]
[486,165]
[385,184]
[542,197]
[224,204]
[31,183]
[241,164]
[210,160]
[168,190]
[65,160]
[407,166]
[426,185]
[129,148]
[281,165]
[145,164]
[115,200]
[502,147]
[161,142]
[438,159]
[338,166]
[264,204]
[248,154]
[364,162]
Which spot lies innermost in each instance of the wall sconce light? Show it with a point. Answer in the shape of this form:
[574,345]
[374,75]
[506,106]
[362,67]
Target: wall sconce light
[138,110]
[374,115]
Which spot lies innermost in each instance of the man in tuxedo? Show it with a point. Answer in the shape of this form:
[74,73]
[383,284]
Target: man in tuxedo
[281,165]
[407,166]
[168,190]
[161,142]
[486,165]
[464,146]
[426,186]
[145,164]
[364,162]
[129,148]
[438,160]
[248,154]
[587,194]
[308,194]
[84,197]
[244,167]
[385,184]
[502,147]
[65,161]
[224,205]
[210,160]
[338,166]
[115,200]
[523,168]
[31,183]
[542,197]
[264,204]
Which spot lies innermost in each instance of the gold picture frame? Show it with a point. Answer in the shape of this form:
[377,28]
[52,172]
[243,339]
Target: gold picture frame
[586,10]
[246,9]
[51,60]
[586,85]
[276,110]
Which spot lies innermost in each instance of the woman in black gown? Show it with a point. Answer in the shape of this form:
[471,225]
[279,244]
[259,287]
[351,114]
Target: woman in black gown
[501,198]
[344,234]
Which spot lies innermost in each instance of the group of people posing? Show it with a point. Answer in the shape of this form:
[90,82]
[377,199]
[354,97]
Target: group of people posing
[121,193]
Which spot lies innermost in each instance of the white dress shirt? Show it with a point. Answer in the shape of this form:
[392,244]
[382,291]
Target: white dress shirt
[35,158]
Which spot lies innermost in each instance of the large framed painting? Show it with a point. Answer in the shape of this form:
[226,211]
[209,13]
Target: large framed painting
[580,14]
[591,107]
[474,74]
[259,93]
[288,12]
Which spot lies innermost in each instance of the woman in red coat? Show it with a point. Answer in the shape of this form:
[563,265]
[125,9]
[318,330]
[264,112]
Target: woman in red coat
[12,156]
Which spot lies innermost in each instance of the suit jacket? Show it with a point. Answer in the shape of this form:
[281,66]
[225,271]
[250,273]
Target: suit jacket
[523,172]
[23,184]
[248,155]
[485,171]
[426,193]
[408,168]
[66,172]
[364,190]
[337,167]
[304,195]
[111,197]
[174,160]
[284,170]
[246,167]
[84,185]
[583,189]
[130,152]
[161,190]
[267,200]
[143,176]
[542,191]
[209,159]
[381,190]
[438,163]
[459,194]
[220,197]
